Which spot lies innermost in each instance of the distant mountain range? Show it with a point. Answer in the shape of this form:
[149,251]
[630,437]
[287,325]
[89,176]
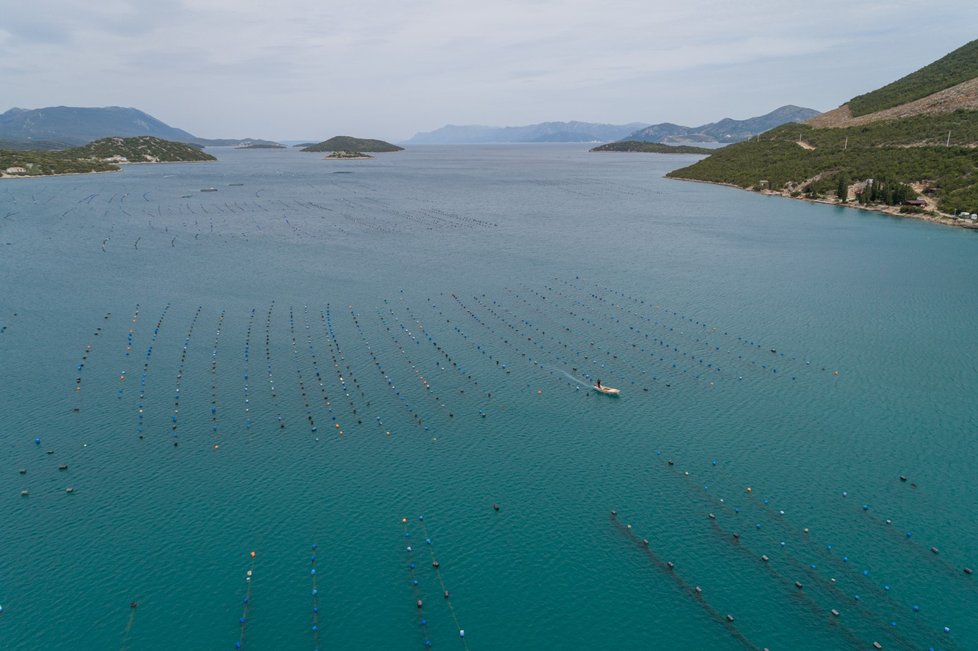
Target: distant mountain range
[543,132]
[725,131]
[60,127]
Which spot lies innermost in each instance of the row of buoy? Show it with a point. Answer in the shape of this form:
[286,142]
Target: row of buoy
[804,538]
[450,361]
[140,404]
[932,554]
[174,418]
[610,363]
[595,356]
[268,361]
[245,603]
[343,369]
[415,583]
[669,353]
[315,600]
[298,369]
[693,591]
[817,610]
[440,405]
[441,581]
[697,339]
[213,407]
[642,304]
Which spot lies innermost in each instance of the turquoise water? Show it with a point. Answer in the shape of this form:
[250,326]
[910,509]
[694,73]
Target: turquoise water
[451,305]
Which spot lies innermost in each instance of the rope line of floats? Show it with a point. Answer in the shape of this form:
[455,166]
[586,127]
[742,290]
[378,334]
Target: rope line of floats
[695,592]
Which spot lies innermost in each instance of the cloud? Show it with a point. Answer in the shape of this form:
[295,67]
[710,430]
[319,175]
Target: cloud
[394,67]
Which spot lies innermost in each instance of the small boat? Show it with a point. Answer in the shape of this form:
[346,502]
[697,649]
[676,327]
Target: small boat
[208,189]
[608,391]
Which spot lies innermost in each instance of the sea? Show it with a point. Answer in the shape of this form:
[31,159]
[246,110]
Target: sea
[281,402]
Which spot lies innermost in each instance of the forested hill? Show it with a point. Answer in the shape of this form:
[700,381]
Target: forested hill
[924,150]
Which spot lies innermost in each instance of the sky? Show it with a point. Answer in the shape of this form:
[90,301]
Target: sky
[310,69]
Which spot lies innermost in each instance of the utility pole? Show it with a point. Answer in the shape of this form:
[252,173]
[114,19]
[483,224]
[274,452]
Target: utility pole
[948,143]
[846,146]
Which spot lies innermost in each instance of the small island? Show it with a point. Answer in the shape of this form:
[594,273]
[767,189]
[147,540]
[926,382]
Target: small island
[351,144]
[104,155]
[261,145]
[348,155]
[652,148]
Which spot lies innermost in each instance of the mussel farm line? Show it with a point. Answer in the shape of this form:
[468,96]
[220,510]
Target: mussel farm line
[695,592]
[141,404]
[885,611]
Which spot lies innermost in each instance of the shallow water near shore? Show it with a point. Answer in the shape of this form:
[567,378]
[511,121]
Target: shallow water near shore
[320,352]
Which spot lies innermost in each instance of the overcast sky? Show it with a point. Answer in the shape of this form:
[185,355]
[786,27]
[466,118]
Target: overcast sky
[310,69]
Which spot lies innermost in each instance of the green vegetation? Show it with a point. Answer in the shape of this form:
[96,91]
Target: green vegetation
[348,155]
[348,143]
[958,66]
[652,148]
[895,152]
[99,156]
[45,163]
[140,149]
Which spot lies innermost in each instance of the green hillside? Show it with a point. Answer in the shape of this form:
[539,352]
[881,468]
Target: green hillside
[652,148]
[903,151]
[140,149]
[46,163]
[99,156]
[958,66]
[349,143]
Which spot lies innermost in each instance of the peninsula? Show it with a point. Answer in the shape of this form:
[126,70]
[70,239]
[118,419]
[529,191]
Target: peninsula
[909,148]
[652,148]
[104,155]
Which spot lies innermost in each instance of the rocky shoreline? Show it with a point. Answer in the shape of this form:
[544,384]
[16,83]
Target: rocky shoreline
[893,211]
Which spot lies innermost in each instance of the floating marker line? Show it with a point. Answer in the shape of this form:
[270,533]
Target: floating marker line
[743,341]
[140,405]
[821,614]
[469,339]
[441,581]
[298,371]
[268,361]
[805,539]
[415,585]
[695,592]
[546,367]
[587,344]
[932,554]
[420,377]
[81,366]
[315,601]
[183,361]
[247,356]
[246,605]
[214,415]
[427,332]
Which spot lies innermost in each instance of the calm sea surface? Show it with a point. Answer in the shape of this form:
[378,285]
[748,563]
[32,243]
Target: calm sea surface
[323,364]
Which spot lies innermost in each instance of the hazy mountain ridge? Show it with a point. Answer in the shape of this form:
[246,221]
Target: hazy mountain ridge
[726,130]
[541,132]
[60,127]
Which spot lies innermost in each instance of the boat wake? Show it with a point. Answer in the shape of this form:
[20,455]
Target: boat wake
[583,384]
